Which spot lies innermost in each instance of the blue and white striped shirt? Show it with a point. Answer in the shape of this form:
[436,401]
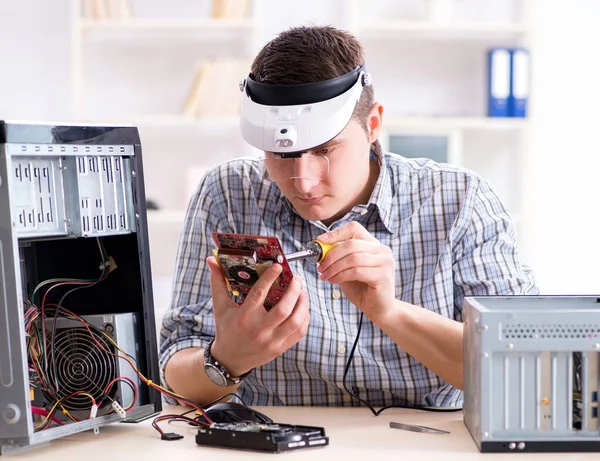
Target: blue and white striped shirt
[452,238]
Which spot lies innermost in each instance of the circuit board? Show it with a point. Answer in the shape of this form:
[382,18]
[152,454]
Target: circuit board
[243,259]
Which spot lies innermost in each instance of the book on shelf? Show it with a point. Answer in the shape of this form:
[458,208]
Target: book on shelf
[232,9]
[106,9]
[214,90]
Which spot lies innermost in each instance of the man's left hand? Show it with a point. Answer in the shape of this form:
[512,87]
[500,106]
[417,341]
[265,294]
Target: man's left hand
[362,267]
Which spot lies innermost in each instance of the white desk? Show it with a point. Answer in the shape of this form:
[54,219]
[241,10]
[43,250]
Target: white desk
[354,434]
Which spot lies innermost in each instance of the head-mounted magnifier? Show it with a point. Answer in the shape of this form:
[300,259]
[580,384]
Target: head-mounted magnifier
[290,120]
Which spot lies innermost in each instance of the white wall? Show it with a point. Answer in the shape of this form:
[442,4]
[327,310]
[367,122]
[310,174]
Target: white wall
[34,81]
[565,189]
[562,241]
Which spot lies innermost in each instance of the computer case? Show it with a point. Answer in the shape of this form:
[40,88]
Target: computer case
[531,373]
[74,267]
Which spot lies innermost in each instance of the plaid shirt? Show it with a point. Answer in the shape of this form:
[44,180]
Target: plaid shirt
[452,238]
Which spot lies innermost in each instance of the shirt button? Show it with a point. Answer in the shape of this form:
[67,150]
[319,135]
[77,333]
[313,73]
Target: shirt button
[336,295]
[341,350]
[347,398]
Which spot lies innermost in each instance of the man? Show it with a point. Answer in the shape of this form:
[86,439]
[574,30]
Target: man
[413,238]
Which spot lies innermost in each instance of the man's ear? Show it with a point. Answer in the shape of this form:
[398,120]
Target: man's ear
[374,122]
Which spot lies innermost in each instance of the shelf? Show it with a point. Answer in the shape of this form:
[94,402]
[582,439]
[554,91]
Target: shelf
[216,126]
[461,123]
[232,123]
[208,123]
[224,31]
[229,126]
[470,30]
[167,24]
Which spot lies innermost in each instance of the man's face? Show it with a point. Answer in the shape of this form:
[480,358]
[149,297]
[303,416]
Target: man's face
[346,184]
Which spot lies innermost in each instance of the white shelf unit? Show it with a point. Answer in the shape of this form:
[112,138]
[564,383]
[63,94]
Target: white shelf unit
[447,31]
[154,24]
[149,31]
[174,144]
[137,70]
[203,125]
[231,124]
[431,78]
[460,123]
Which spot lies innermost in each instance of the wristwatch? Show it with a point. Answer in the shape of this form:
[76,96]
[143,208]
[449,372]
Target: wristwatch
[217,373]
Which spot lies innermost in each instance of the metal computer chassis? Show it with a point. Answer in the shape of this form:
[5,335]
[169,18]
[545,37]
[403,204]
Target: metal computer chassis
[531,373]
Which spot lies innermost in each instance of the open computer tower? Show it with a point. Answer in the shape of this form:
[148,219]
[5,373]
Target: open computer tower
[77,330]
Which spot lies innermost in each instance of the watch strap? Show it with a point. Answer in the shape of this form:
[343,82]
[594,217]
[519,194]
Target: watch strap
[228,380]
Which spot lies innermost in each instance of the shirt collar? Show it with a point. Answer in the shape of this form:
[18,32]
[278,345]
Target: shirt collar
[382,195]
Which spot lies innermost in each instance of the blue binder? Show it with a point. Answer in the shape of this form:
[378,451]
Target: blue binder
[499,76]
[519,82]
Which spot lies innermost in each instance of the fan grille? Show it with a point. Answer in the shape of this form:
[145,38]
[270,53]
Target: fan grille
[82,365]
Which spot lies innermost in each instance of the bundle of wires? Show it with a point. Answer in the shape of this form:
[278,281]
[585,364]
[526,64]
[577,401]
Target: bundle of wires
[42,359]
[200,418]
[41,352]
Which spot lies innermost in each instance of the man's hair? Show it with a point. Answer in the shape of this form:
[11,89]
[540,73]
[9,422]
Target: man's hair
[309,54]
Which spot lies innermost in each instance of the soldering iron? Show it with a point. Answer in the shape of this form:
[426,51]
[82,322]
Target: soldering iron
[315,251]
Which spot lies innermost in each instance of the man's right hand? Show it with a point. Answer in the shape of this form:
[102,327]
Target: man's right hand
[249,336]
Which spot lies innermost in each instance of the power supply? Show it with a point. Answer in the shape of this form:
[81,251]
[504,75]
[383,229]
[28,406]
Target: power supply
[78,346]
[79,364]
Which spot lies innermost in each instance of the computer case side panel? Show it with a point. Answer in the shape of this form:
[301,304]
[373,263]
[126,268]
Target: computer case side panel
[139,201]
[15,421]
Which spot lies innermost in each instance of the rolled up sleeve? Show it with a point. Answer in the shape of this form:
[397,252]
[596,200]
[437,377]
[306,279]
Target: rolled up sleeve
[487,261]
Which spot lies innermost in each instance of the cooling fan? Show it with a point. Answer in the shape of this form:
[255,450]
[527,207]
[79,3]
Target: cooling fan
[84,359]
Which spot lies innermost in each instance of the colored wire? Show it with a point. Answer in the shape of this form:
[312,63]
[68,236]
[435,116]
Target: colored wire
[172,418]
[59,403]
[125,357]
[131,384]
[150,383]
[37,347]
[46,413]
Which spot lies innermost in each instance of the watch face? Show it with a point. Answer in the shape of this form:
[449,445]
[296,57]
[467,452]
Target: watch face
[215,374]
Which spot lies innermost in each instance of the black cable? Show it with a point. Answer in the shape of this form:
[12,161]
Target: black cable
[207,405]
[229,394]
[381,410]
[180,399]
